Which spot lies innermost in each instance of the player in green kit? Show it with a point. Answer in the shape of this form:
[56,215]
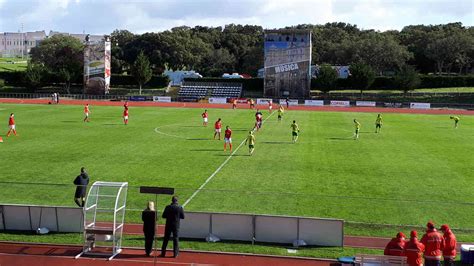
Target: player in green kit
[378,123]
[280,113]
[295,130]
[357,128]
[456,120]
[251,140]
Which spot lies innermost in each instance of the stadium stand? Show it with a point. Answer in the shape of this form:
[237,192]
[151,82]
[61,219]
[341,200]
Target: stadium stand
[213,89]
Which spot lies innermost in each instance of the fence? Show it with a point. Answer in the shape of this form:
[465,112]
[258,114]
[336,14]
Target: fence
[387,210]
[197,225]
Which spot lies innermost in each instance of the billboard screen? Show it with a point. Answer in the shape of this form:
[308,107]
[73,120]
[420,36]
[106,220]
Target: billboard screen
[97,58]
[287,71]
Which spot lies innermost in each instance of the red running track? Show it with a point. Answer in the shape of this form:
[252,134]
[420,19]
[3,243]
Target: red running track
[12,254]
[245,106]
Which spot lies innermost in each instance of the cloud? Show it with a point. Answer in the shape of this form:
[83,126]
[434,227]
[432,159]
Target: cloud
[99,17]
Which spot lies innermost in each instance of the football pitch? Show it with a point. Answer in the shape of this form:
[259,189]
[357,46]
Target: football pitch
[418,168]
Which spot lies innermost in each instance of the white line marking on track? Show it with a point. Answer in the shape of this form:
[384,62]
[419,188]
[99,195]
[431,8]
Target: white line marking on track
[218,169]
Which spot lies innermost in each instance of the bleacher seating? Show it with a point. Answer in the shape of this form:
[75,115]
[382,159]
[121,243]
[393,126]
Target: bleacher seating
[216,89]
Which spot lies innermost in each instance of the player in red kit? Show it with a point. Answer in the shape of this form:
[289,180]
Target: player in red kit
[11,125]
[228,138]
[217,128]
[86,113]
[125,116]
[270,106]
[204,118]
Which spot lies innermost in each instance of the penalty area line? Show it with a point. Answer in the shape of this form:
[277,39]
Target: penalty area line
[219,168]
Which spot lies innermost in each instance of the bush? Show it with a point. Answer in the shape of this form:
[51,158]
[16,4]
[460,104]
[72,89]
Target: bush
[362,76]
[407,79]
[2,83]
[327,79]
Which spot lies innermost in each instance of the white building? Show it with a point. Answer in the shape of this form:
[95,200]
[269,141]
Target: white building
[16,44]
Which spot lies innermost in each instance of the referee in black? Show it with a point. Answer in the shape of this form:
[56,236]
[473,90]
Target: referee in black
[173,213]
[81,181]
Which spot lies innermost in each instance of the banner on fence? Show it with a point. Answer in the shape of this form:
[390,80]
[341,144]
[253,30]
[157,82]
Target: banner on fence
[420,105]
[217,100]
[263,101]
[365,103]
[340,103]
[393,105]
[163,99]
[314,102]
[290,102]
[137,98]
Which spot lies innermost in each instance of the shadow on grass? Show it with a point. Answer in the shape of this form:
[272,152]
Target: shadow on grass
[227,155]
[277,142]
[199,139]
[113,124]
[350,138]
[193,126]
[206,150]
[70,121]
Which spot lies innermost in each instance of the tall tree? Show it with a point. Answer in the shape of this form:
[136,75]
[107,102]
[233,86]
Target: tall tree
[326,78]
[141,70]
[61,55]
[362,76]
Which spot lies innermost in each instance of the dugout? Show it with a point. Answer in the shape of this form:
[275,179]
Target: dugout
[104,215]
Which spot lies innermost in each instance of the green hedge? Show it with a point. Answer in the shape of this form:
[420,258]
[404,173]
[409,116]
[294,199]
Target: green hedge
[252,84]
[127,80]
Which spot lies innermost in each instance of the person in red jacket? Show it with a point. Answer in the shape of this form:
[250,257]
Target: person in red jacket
[395,246]
[414,250]
[449,250]
[434,244]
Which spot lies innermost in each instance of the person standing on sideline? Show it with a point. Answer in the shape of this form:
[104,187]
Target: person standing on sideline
[414,250]
[357,129]
[218,128]
[449,250]
[395,246]
[295,129]
[251,140]
[125,113]
[204,116]
[173,213]
[228,138]
[234,104]
[81,181]
[11,125]
[287,103]
[270,106]
[280,112]
[57,98]
[456,120]
[434,244]
[378,123]
[149,226]
[86,113]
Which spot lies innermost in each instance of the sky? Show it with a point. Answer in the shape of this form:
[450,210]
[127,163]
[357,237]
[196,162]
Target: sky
[102,17]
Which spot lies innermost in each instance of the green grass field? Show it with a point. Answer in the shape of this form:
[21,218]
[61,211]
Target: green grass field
[418,169]
[12,64]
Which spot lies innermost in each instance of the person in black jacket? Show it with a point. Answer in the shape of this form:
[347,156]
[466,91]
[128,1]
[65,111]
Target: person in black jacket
[81,182]
[149,226]
[173,213]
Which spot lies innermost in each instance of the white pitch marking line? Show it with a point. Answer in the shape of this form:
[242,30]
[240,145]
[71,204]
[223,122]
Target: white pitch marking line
[219,168]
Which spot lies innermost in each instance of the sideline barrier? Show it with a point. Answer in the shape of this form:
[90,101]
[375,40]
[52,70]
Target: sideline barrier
[365,103]
[420,105]
[290,102]
[217,100]
[340,103]
[263,228]
[314,102]
[30,218]
[162,99]
[263,100]
[197,225]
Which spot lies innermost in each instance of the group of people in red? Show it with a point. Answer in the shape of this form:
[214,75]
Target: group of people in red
[432,246]
[87,113]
